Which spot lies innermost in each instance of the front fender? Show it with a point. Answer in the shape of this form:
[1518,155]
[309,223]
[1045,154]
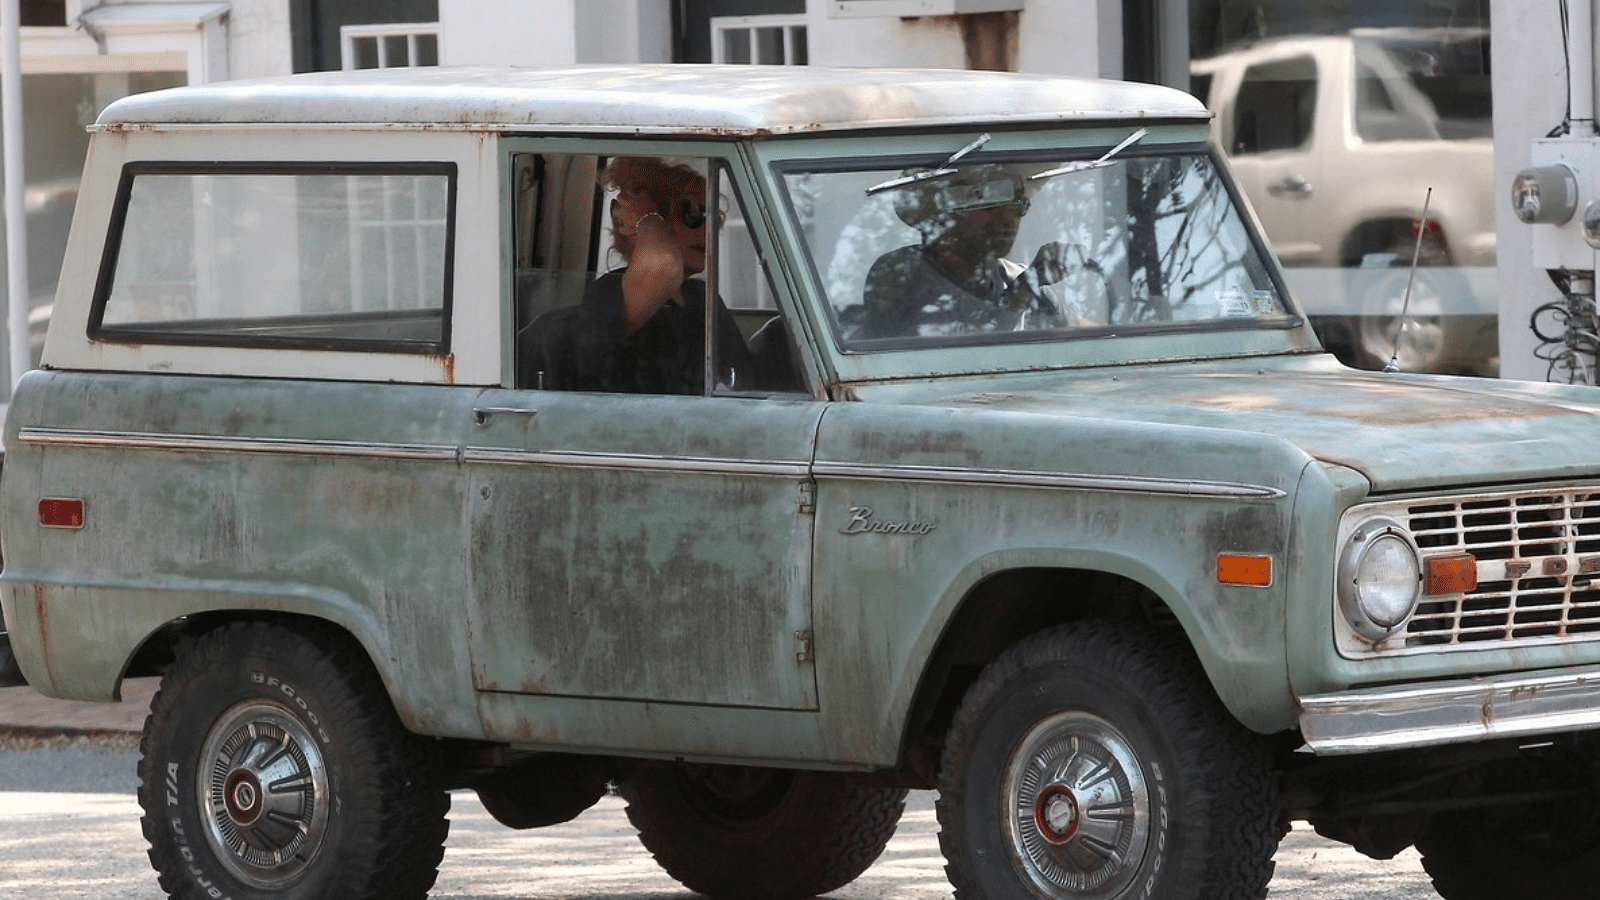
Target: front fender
[885,598]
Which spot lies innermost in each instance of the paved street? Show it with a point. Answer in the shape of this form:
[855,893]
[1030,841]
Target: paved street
[69,829]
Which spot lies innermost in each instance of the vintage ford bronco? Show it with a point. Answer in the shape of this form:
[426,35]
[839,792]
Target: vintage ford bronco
[1099,545]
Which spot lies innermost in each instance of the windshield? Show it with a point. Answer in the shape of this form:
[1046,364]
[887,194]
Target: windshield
[1047,249]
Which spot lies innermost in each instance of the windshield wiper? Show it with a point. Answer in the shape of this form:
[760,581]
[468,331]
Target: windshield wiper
[1105,160]
[943,170]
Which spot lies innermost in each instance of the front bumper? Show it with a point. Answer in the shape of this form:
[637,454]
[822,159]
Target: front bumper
[1455,712]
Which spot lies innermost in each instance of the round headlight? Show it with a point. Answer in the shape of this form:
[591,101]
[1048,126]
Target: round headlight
[1380,579]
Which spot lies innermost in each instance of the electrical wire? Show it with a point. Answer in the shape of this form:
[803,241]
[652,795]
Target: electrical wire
[1568,331]
[1566,53]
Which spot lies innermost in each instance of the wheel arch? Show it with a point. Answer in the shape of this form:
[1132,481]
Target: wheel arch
[1004,606]
[158,648]
[84,639]
[1378,232]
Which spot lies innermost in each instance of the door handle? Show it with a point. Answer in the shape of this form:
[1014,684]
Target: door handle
[483,415]
[1292,186]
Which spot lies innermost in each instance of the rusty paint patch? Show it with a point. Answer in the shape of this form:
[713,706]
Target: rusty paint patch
[41,611]
[1525,692]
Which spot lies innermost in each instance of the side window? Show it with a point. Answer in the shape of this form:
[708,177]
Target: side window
[556,228]
[354,258]
[588,320]
[746,289]
[1275,106]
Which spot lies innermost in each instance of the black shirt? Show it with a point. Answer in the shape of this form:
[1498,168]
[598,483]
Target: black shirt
[665,356]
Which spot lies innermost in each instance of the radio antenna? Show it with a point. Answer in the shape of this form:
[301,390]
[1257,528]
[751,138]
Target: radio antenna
[1405,304]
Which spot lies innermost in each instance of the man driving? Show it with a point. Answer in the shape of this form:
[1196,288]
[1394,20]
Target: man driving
[957,279]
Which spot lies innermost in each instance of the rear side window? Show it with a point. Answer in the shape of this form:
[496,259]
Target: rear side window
[324,256]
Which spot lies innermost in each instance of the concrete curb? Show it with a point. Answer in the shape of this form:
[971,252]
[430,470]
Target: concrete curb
[25,714]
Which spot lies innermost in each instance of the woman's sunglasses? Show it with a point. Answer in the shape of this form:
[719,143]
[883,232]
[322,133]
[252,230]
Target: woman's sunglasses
[692,213]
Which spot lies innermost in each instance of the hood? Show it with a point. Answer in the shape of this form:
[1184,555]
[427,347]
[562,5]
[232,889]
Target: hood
[1402,432]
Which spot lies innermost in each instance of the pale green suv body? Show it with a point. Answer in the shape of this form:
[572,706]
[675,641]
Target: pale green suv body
[1116,559]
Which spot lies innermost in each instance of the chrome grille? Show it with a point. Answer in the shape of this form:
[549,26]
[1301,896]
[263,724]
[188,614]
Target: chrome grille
[1538,561]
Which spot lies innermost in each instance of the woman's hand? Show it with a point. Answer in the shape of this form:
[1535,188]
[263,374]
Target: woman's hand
[655,269]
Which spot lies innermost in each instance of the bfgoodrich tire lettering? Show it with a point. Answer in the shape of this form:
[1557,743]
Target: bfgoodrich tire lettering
[273,766]
[1092,762]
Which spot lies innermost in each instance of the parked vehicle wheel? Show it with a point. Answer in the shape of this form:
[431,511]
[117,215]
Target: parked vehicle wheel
[760,834]
[1412,331]
[1548,850]
[10,672]
[275,767]
[1093,761]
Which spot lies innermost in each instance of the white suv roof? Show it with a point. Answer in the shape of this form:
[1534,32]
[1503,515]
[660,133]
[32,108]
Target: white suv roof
[661,99]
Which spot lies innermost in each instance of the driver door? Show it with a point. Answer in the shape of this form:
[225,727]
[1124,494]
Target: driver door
[652,549]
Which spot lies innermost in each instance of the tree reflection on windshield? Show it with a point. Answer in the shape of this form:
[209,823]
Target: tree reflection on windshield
[989,252]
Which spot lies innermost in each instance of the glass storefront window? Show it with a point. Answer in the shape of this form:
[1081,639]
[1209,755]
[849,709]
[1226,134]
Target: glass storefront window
[1343,121]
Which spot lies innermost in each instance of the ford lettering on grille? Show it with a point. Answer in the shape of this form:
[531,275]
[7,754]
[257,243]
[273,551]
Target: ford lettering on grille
[1538,561]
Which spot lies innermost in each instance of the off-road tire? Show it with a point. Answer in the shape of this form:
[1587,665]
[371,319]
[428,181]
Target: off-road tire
[1094,736]
[273,766]
[10,671]
[734,833]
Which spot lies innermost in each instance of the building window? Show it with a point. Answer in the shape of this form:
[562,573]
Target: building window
[390,46]
[759,40]
[43,12]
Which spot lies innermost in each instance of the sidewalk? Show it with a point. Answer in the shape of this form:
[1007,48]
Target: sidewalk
[25,712]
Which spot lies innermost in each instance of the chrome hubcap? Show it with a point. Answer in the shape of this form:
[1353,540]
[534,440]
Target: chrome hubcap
[1056,814]
[263,789]
[1079,808]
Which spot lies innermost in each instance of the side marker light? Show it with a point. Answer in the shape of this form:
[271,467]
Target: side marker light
[61,512]
[1244,570]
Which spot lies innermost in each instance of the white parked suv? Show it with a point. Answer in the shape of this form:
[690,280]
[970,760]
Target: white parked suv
[1336,140]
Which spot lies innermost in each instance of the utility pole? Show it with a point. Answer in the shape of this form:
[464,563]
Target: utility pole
[15,183]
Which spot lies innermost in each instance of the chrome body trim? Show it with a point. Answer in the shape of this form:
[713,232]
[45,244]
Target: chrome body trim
[512,457]
[205,443]
[1395,718]
[798,469]
[200,443]
[1114,483]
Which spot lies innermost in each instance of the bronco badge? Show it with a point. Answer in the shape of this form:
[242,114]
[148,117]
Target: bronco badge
[861,522]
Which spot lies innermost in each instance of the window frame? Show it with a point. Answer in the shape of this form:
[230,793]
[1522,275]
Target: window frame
[380,34]
[98,331]
[727,168]
[1187,341]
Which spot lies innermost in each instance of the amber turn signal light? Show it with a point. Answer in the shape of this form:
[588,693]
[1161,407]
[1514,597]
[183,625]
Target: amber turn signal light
[1242,570]
[1449,574]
